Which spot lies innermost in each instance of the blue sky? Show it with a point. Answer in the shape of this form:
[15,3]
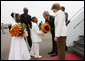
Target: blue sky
[36,8]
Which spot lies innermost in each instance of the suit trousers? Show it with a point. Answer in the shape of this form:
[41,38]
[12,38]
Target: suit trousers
[54,45]
[29,37]
[61,47]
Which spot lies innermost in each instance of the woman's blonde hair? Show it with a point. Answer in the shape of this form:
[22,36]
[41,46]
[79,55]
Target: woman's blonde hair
[56,6]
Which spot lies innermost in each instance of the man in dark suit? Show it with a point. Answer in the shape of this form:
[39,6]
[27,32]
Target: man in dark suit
[25,18]
[50,19]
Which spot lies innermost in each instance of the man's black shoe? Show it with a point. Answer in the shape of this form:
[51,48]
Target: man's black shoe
[66,48]
[53,54]
[50,52]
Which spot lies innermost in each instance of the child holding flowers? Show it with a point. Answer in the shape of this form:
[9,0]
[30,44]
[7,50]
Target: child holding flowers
[18,48]
[36,38]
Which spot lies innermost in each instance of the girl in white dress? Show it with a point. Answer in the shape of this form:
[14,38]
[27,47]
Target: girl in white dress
[18,48]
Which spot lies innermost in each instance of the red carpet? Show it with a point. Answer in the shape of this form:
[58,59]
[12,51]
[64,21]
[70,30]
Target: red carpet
[70,56]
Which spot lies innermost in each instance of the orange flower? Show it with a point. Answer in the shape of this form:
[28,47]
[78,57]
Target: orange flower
[16,30]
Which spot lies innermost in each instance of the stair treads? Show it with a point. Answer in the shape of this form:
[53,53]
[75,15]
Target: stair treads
[79,42]
[78,47]
[80,52]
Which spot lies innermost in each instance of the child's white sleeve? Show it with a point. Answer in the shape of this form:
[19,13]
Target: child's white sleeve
[36,29]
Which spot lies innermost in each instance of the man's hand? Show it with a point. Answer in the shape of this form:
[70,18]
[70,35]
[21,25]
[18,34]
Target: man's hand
[56,39]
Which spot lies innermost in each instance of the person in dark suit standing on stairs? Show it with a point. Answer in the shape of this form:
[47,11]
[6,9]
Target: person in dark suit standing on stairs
[50,19]
[66,19]
[66,14]
[25,18]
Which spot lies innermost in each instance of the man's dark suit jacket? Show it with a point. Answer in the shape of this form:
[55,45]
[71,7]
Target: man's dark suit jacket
[51,22]
[28,20]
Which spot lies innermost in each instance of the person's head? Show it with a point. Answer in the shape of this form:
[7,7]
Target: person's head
[17,17]
[63,8]
[46,14]
[25,10]
[56,7]
[34,19]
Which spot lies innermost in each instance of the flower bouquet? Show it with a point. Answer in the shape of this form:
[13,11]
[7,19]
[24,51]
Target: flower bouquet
[24,26]
[25,33]
[16,30]
[45,27]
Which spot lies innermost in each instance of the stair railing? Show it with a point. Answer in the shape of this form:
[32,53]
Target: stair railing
[78,23]
[73,16]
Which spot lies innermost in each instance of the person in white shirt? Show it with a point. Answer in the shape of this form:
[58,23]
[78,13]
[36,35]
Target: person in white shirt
[60,30]
[36,38]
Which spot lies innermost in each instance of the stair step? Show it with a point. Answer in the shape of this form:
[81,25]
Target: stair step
[78,47]
[81,37]
[79,43]
[78,51]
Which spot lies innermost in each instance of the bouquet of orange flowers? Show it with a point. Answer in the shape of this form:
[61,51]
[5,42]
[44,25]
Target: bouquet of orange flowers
[45,27]
[16,30]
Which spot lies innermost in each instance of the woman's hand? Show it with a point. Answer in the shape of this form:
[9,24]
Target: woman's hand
[56,39]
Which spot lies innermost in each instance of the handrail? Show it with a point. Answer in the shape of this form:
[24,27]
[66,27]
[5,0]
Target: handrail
[76,13]
[67,22]
[74,16]
[78,23]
